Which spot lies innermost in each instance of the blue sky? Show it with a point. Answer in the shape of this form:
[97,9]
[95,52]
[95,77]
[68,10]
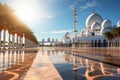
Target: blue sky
[52,18]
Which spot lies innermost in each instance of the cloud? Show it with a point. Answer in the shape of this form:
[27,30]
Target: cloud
[57,32]
[61,31]
[89,4]
[75,3]
[72,7]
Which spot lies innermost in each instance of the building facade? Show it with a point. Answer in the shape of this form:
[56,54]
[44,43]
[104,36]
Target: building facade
[93,35]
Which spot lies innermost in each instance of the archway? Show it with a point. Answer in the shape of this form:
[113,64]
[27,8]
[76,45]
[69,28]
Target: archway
[104,43]
[92,44]
[99,43]
[95,43]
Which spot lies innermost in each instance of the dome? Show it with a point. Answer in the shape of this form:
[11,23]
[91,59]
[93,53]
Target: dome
[82,32]
[67,35]
[94,17]
[106,24]
[88,33]
[95,26]
[118,23]
[103,30]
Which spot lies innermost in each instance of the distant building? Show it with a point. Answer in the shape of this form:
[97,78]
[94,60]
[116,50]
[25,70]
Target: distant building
[43,40]
[53,40]
[48,40]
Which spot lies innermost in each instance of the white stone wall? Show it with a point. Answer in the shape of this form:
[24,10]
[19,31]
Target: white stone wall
[29,44]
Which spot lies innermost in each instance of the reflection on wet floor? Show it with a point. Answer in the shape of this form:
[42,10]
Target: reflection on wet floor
[10,58]
[14,64]
[73,67]
[108,55]
[24,64]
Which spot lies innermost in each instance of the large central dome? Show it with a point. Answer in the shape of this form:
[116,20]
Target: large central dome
[94,17]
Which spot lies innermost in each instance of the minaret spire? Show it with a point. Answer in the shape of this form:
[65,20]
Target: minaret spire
[94,11]
[75,19]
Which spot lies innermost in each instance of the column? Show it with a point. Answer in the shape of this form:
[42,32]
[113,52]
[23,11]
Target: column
[17,41]
[9,41]
[23,40]
[12,40]
[4,38]
[20,42]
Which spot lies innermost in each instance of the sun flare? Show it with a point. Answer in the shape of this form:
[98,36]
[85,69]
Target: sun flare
[25,9]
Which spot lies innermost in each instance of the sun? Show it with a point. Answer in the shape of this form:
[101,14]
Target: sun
[25,9]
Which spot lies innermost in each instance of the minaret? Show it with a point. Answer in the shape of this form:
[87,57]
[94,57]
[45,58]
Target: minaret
[75,27]
[75,19]
[94,11]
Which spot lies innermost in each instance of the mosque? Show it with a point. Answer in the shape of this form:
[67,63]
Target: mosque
[92,36]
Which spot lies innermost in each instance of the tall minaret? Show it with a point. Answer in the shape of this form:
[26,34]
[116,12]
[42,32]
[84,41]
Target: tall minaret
[75,20]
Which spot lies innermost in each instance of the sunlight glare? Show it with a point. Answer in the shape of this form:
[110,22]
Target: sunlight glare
[25,9]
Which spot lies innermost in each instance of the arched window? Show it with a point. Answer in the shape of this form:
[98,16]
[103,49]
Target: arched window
[104,43]
[93,34]
[99,43]
[92,44]
[95,43]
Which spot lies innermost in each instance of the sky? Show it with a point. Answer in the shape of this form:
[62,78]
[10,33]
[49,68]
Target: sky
[53,18]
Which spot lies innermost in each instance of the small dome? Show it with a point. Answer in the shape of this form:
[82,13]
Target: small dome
[95,26]
[88,33]
[67,35]
[94,17]
[118,23]
[106,24]
[103,30]
[83,32]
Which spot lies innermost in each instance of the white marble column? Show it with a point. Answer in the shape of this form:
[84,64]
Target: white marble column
[23,40]
[9,41]
[13,40]
[20,42]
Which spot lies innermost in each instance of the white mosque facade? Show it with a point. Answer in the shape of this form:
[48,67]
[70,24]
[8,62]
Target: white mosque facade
[93,35]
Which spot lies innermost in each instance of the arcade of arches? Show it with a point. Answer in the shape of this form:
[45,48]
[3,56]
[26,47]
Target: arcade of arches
[94,43]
